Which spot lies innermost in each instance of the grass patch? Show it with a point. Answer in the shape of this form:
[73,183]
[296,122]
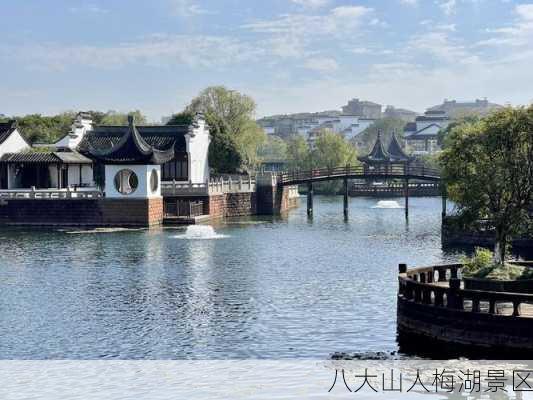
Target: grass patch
[482,265]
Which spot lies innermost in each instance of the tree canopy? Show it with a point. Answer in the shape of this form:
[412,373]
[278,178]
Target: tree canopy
[366,139]
[273,148]
[488,167]
[235,136]
[39,128]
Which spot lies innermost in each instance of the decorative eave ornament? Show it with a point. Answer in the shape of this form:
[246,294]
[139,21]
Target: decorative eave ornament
[132,149]
[396,153]
[378,153]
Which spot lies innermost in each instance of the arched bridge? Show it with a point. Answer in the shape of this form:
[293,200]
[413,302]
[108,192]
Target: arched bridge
[384,172]
[402,172]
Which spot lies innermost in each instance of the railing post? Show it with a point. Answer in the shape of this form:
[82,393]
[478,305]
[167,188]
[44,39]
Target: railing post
[516,308]
[174,187]
[406,190]
[475,305]
[492,306]
[310,199]
[455,300]
[32,193]
[345,197]
[444,198]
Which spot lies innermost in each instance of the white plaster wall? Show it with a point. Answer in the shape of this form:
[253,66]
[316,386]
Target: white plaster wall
[143,173]
[198,149]
[79,128]
[13,144]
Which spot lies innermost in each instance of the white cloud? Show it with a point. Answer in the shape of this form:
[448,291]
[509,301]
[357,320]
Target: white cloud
[519,34]
[322,64]
[311,3]
[440,46]
[409,2]
[338,20]
[187,8]
[156,50]
[448,6]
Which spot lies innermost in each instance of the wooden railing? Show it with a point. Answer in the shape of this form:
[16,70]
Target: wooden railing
[49,194]
[440,286]
[360,171]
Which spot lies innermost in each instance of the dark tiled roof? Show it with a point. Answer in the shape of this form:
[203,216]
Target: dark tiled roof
[65,157]
[410,127]
[160,137]
[6,129]
[129,147]
[439,117]
[422,134]
[47,158]
[396,152]
[378,153]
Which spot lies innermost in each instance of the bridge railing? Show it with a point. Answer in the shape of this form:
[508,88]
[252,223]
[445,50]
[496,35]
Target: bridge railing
[392,170]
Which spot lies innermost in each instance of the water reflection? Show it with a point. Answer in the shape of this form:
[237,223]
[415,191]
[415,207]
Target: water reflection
[265,288]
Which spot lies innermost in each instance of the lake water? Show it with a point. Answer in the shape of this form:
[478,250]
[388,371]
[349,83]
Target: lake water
[271,288]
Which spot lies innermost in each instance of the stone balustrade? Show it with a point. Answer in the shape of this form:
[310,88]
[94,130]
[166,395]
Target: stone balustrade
[216,186]
[50,194]
[433,304]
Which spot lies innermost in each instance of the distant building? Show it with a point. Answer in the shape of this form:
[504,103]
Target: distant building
[400,113]
[310,124]
[456,109]
[421,136]
[364,109]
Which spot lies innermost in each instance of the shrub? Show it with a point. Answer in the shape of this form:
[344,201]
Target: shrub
[482,265]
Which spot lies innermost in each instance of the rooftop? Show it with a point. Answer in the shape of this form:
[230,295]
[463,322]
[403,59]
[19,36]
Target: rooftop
[127,145]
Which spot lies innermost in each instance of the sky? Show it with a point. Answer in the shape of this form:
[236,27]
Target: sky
[289,55]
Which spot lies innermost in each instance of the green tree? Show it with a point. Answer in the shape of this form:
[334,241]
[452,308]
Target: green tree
[488,167]
[298,153]
[182,118]
[45,129]
[467,119]
[332,150]
[235,136]
[273,149]
[116,118]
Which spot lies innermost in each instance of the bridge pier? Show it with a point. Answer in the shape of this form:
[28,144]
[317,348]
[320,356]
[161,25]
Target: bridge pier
[406,192]
[310,199]
[345,197]
[444,199]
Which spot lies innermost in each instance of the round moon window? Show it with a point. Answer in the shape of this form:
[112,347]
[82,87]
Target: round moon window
[126,181]
[154,181]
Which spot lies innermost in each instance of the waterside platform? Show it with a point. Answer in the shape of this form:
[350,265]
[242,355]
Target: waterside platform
[437,315]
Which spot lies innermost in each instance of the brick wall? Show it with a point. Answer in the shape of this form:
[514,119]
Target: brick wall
[233,205]
[83,212]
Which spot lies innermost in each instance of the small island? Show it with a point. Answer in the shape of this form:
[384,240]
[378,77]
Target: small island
[483,305]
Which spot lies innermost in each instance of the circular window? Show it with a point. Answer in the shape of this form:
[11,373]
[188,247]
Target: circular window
[126,181]
[154,181]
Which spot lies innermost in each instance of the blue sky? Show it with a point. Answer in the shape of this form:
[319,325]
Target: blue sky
[290,55]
